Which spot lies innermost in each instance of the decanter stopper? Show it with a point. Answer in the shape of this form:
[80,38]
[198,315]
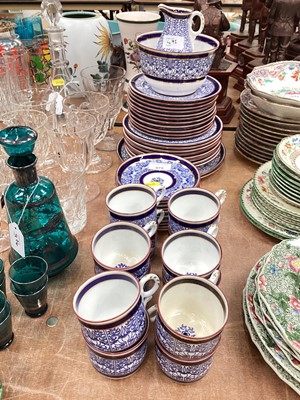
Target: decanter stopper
[51,11]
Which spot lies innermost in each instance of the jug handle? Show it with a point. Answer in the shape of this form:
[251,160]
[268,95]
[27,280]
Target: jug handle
[193,33]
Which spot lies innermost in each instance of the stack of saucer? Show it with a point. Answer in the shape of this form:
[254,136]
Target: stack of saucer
[271,200]
[271,310]
[185,126]
[259,132]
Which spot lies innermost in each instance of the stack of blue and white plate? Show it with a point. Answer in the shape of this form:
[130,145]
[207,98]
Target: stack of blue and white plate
[185,126]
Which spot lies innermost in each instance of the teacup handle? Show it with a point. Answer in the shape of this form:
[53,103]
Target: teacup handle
[214,278]
[213,230]
[151,228]
[194,34]
[160,216]
[162,194]
[147,295]
[221,195]
[152,312]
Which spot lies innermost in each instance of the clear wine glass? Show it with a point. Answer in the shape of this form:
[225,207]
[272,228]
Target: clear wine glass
[30,101]
[96,104]
[111,83]
[72,134]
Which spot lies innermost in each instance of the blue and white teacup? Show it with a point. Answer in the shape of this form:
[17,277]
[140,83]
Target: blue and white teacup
[190,252]
[136,203]
[111,308]
[123,246]
[195,208]
[120,364]
[191,313]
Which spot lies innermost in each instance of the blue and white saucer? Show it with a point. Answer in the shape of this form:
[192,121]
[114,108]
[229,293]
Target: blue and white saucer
[204,170]
[155,169]
[210,88]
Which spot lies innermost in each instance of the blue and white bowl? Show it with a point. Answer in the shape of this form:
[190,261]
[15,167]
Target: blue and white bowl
[173,73]
[120,364]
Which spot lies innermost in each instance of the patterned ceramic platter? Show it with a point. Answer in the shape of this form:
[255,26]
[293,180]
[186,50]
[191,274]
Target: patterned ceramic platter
[261,182]
[180,140]
[278,82]
[282,191]
[279,288]
[267,356]
[247,151]
[288,151]
[266,130]
[158,168]
[251,109]
[276,217]
[210,88]
[258,219]
[283,357]
[205,169]
[283,365]
[174,110]
[266,319]
[267,322]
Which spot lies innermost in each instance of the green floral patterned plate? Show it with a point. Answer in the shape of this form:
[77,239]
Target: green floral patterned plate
[269,344]
[288,151]
[278,286]
[267,356]
[272,214]
[258,219]
[262,187]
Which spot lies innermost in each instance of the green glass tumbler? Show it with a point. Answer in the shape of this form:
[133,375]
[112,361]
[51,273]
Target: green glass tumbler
[6,333]
[2,277]
[28,274]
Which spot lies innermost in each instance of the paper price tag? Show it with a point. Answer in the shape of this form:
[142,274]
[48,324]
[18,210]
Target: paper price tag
[16,239]
[173,42]
[159,166]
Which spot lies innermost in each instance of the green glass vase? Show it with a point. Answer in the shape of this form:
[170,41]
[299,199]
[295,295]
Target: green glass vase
[33,206]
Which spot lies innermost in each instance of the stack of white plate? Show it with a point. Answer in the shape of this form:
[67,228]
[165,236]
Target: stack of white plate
[271,309]
[259,132]
[186,126]
[271,200]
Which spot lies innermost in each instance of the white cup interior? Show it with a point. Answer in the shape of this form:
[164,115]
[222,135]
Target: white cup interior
[130,201]
[107,299]
[195,207]
[122,247]
[194,308]
[191,253]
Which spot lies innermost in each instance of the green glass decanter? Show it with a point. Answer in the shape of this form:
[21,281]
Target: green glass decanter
[37,224]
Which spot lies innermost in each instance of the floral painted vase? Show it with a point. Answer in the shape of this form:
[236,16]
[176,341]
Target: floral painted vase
[131,24]
[96,44]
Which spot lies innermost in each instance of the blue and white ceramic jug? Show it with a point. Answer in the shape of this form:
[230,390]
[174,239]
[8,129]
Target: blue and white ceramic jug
[178,34]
